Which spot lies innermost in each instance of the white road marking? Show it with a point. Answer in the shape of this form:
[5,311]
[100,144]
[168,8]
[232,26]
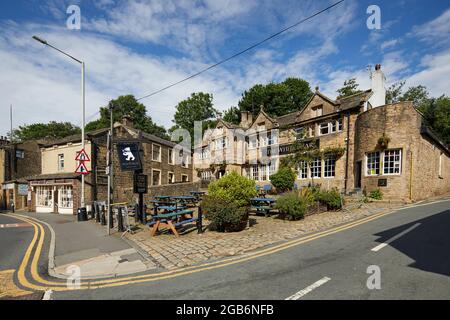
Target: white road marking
[384,244]
[47,295]
[308,289]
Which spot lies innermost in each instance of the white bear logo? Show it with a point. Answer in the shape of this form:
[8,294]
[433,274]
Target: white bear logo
[128,154]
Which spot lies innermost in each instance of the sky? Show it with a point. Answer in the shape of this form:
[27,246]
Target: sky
[137,47]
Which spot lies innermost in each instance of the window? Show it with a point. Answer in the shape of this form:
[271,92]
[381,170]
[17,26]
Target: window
[20,154]
[300,133]
[255,172]
[44,197]
[272,167]
[333,126]
[316,168]
[303,170]
[324,128]
[156,153]
[185,161]
[60,162]
[65,197]
[184,178]
[318,111]
[329,167]
[373,163]
[170,178]
[392,161]
[156,177]
[170,156]
[206,175]
[253,142]
[339,124]
[205,153]
[263,171]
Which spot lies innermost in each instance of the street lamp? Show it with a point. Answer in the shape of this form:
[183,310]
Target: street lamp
[83,103]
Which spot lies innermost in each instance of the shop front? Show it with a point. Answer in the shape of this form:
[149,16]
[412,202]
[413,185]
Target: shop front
[59,193]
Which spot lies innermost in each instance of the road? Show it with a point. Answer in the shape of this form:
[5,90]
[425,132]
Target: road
[409,248]
[15,237]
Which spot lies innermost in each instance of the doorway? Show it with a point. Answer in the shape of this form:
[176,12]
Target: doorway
[358,174]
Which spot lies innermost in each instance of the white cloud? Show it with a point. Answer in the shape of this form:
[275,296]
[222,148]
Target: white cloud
[435,74]
[436,31]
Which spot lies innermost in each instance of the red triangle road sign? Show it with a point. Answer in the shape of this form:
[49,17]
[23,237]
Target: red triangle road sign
[82,169]
[82,156]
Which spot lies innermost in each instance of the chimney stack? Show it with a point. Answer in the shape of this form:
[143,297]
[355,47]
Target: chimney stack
[246,119]
[378,79]
[127,121]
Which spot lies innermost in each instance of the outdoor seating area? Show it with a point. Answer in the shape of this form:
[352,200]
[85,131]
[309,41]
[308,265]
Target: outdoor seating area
[175,211]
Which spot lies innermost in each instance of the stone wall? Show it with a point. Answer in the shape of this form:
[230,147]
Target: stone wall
[401,123]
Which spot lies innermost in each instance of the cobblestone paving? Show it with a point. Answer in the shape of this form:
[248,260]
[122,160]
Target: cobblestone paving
[191,248]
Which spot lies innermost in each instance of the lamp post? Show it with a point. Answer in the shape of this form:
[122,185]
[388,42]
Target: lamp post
[83,103]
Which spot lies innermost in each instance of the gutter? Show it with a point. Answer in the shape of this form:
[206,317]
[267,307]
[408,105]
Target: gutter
[347,152]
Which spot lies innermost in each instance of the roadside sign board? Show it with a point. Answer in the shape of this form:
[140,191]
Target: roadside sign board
[140,183]
[82,156]
[129,156]
[82,169]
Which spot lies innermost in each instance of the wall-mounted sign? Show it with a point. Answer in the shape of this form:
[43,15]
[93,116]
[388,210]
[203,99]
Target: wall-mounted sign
[382,182]
[22,189]
[140,183]
[129,157]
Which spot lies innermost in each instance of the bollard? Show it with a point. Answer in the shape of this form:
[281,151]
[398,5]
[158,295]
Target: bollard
[120,227]
[103,216]
[97,212]
[111,218]
[200,220]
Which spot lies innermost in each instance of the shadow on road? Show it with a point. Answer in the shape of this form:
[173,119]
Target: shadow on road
[428,244]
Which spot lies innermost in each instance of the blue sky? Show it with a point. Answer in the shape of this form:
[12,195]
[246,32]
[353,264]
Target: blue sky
[136,47]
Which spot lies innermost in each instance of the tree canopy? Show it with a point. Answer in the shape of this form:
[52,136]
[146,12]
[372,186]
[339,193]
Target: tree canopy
[128,106]
[277,98]
[197,107]
[51,130]
[350,87]
[437,115]
[232,115]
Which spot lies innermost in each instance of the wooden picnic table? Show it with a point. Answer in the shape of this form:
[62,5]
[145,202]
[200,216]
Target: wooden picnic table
[264,205]
[172,219]
[185,199]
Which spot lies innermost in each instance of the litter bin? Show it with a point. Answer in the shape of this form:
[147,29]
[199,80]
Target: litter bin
[82,214]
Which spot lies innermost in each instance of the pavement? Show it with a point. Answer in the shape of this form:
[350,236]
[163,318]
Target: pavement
[411,261]
[87,246]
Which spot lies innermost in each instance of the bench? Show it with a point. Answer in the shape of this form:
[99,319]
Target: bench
[265,209]
[172,220]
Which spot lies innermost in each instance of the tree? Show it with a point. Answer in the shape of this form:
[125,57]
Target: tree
[232,115]
[394,92]
[198,107]
[277,98]
[128,106]
[418,95]
[51,130]
[350,87]
[437,115]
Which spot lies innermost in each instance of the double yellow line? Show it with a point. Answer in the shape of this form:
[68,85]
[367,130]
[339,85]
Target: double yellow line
[38,283]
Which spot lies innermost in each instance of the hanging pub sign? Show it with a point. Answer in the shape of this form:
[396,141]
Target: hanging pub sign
[140,183]
[129,156]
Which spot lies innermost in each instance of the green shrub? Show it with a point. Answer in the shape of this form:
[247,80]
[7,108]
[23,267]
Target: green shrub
[376,194]
[283,180]
[225,216]
[233,188]
[292,206]
[331,198]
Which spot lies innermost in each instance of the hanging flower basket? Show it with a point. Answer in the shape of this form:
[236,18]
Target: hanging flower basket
[383,142]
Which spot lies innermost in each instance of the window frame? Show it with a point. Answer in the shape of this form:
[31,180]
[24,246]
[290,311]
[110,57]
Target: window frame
[302,171]
[314,167]
[399,162]
[153,152]
[61,157]
[184,175]
[153,170]
[367,164]
[327,168]
[321,128]
[170,156]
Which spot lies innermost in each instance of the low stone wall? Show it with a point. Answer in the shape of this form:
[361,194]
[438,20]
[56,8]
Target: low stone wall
[176,189]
